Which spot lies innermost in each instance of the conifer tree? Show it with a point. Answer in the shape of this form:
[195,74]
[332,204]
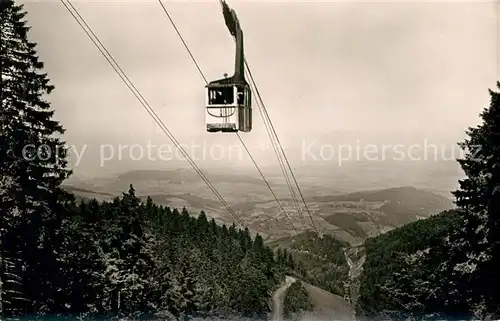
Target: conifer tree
[477,242]
[482,161]
[136,253]
[32,162]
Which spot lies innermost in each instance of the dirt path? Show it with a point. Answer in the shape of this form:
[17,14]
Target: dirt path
[278,297]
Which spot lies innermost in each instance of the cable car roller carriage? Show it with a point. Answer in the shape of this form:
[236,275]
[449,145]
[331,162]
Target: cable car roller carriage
[229,100]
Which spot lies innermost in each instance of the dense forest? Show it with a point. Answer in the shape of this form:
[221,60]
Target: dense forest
[322,260]
[317,261]
[296,302]
[291,265]
[127,257]
[445,266]
[398,258]
[60,256]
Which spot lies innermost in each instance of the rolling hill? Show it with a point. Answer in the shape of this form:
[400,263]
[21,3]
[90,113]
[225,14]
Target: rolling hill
[82,193]
[368,213]
[398,199]
[349,217]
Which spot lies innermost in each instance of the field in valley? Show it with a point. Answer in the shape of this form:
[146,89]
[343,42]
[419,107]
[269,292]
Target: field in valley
[351,217]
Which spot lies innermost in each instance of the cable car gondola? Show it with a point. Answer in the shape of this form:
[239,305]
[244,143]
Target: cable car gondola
[229,100]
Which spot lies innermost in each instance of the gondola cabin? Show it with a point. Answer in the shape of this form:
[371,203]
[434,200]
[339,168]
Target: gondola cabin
[228,107]
[229,100]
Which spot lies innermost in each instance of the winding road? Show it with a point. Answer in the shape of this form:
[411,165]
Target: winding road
[278,297]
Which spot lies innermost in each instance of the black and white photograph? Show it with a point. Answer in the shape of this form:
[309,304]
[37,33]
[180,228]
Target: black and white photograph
[249,160]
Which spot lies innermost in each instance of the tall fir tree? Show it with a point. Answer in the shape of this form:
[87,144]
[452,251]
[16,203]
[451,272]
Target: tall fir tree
[477,241]
[32,163]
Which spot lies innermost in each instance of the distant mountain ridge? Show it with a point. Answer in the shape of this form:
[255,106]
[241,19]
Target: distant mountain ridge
[397,199]
[77,190]
[368,213]
[182,176]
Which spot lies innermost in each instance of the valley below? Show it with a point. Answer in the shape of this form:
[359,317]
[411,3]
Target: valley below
[351,216]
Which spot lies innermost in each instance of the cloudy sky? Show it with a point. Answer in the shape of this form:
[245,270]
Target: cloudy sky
[392,68]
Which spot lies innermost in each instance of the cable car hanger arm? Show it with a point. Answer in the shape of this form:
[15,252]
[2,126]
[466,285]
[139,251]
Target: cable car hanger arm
[233,25]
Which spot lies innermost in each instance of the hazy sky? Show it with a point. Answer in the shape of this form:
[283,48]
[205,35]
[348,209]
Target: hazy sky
[393,68]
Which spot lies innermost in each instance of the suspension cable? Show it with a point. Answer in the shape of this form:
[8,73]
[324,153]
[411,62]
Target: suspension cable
[275,148]
[280,161]
[221,2]
[275,142]
[145,104]
[281,147]
[237,134]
